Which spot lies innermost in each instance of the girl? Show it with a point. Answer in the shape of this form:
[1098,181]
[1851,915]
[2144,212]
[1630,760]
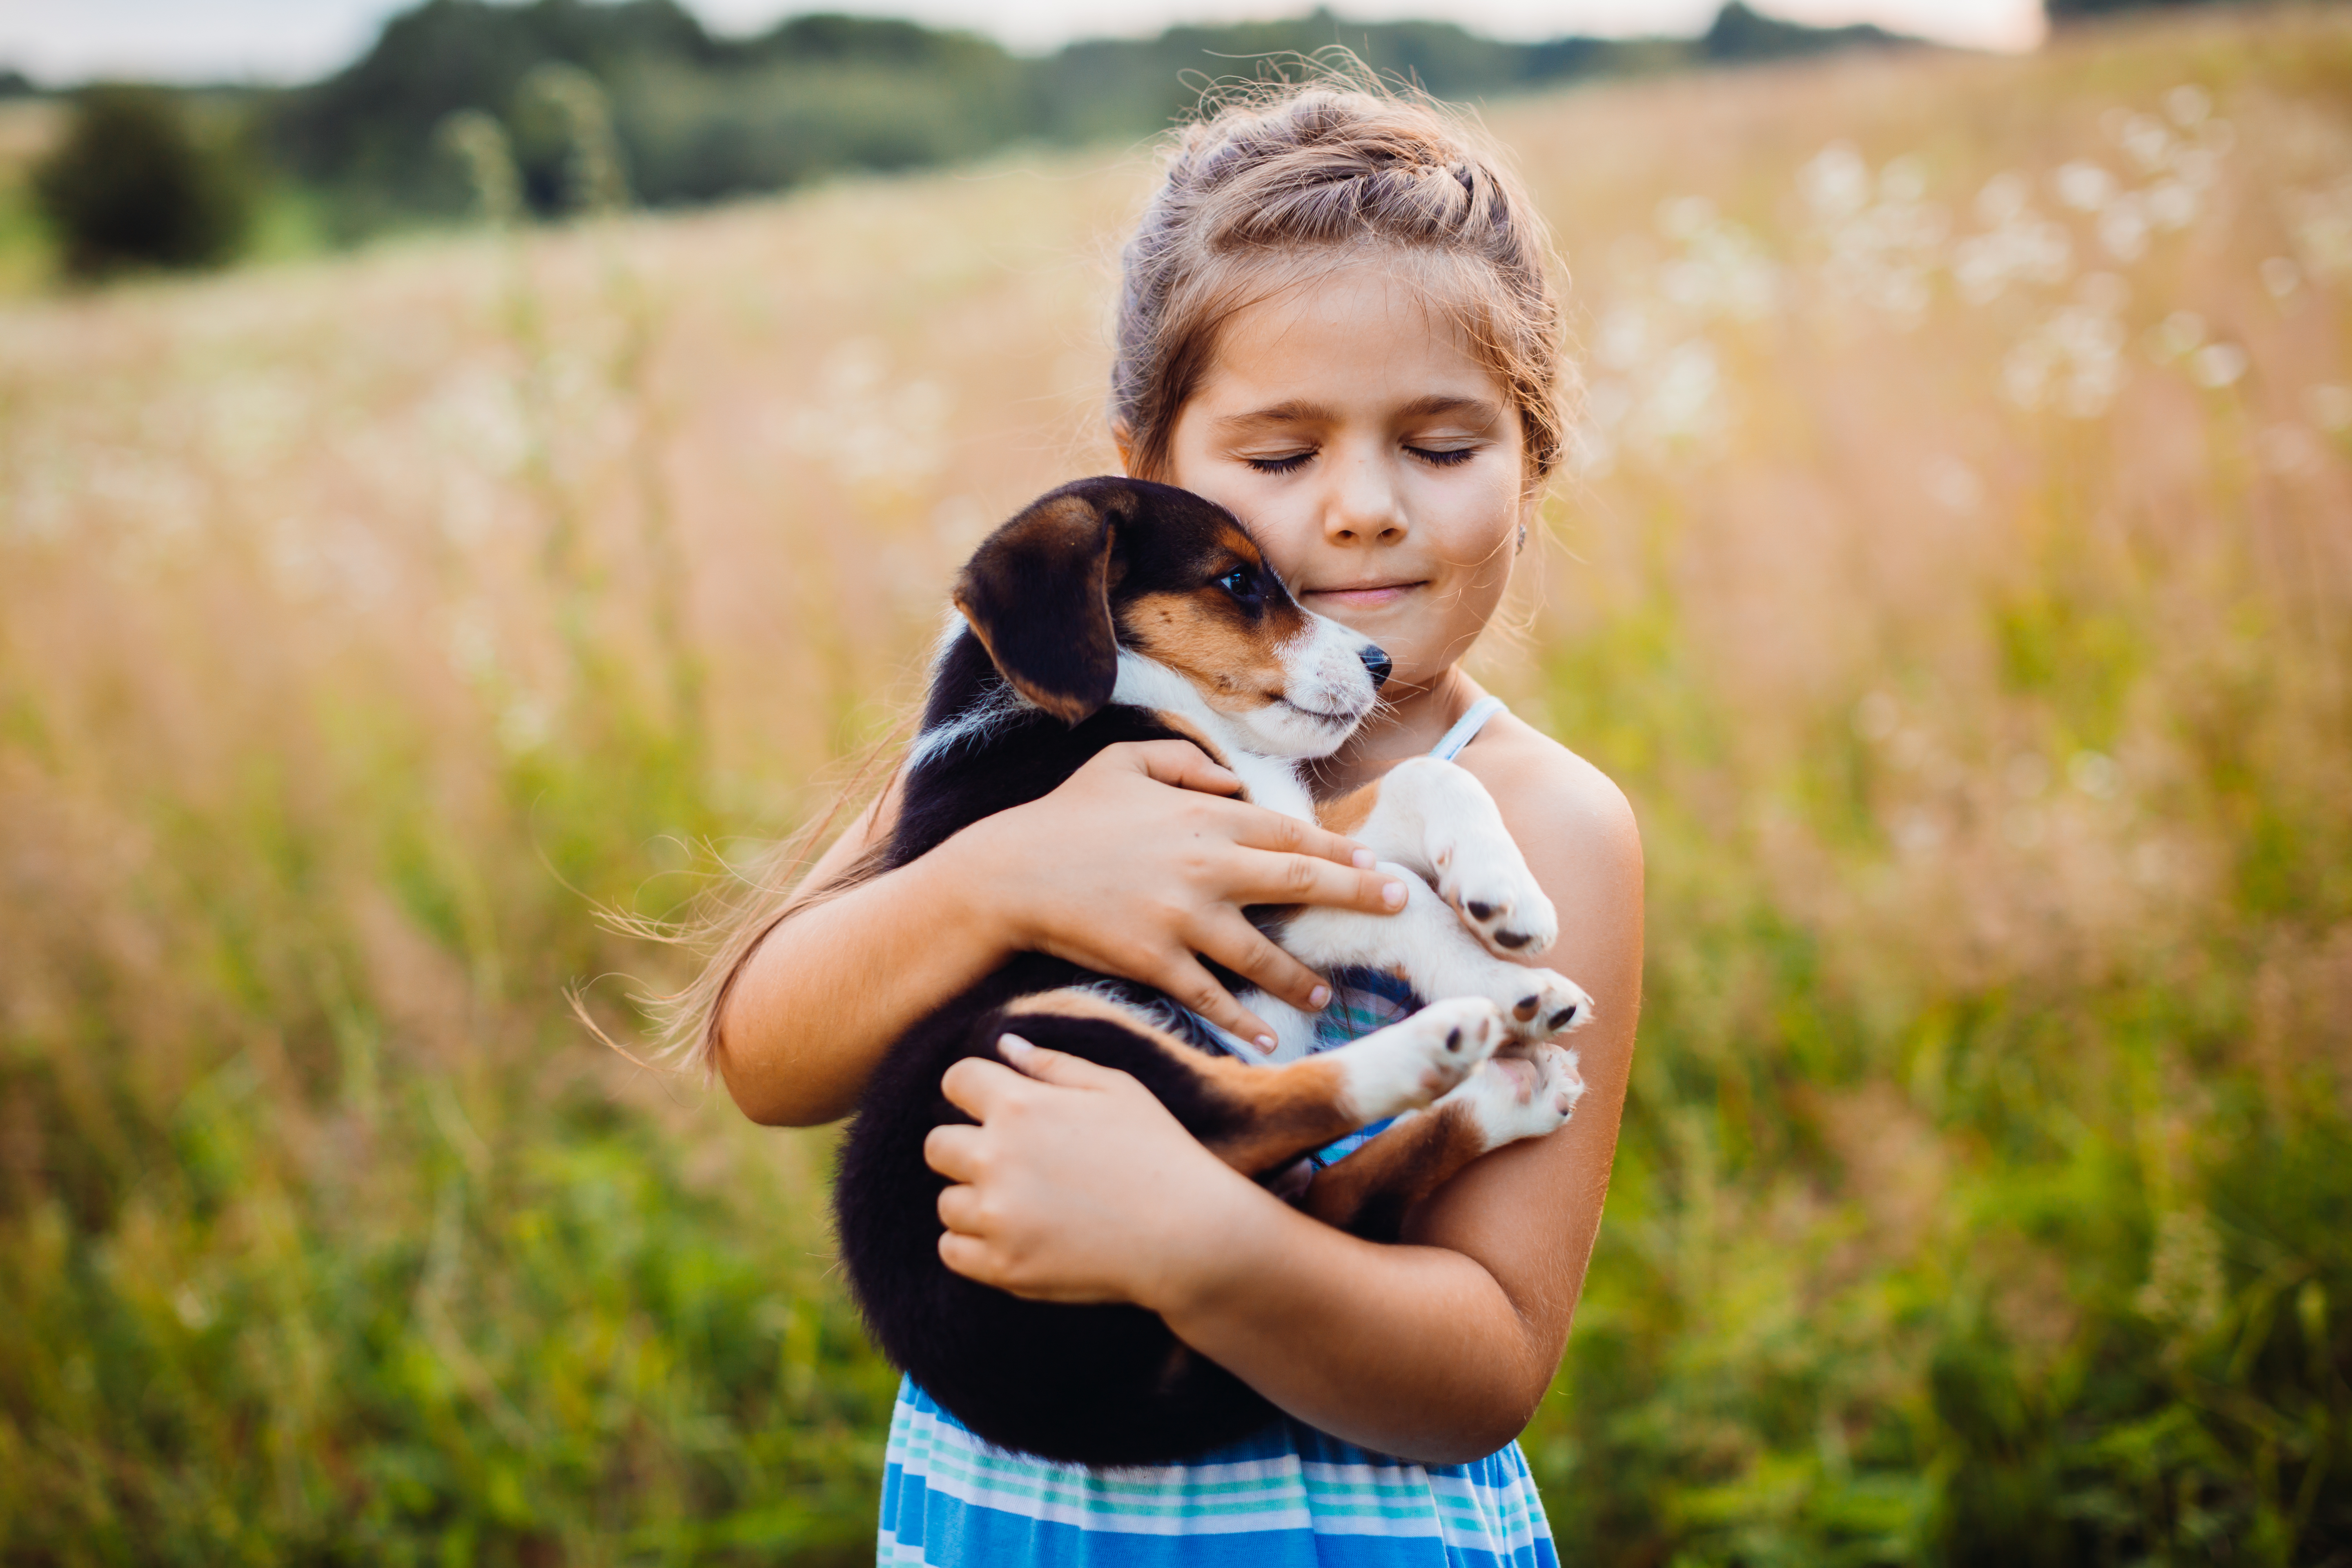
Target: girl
[1334,321]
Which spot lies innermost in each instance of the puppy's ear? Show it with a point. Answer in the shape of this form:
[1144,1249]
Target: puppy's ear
[1037,593]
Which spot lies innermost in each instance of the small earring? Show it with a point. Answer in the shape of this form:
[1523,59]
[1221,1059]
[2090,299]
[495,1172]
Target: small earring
[1522,536]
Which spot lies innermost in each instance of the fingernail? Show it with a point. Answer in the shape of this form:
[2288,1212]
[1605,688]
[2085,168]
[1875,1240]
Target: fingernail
[1393,895]
[1319,997]
[1267,1043]
[1013,1046]
[1366,860]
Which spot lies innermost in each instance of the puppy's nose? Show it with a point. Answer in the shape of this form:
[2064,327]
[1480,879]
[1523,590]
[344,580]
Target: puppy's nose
[1376,663]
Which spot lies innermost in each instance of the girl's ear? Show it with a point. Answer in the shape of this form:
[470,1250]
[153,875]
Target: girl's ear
[1037,595]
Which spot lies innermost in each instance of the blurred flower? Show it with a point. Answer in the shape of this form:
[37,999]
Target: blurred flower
[2280,277]
[2179,334]
[2171,205]
[2086,187]
[2004,197]
[2217,366]
[2026,774]
[2321,222]
[524,725]
[2143,138]
[1882,253]
[2331,407]
[1836,183]
[2188,105]
[1953,486]
[2122,228]
[2074,357]
[2093,773]
[867,431]
[1876,716]
[1917,833]
[2288,449]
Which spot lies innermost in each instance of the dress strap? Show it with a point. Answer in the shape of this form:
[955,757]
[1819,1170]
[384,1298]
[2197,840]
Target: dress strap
[1466,728]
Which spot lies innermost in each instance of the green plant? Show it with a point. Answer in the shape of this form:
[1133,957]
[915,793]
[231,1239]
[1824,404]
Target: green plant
[133,184]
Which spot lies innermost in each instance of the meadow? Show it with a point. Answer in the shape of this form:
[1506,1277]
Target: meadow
[1953,568]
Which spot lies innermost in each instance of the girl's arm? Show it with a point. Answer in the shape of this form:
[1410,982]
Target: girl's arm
[1079,1186]
[1116,870]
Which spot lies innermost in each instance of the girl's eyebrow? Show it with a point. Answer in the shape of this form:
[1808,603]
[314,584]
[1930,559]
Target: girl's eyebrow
[1477,410]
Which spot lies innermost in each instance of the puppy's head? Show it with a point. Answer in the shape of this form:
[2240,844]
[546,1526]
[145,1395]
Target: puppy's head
[1107,564]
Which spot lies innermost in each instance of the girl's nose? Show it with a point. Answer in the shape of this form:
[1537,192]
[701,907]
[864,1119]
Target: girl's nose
[1364,506]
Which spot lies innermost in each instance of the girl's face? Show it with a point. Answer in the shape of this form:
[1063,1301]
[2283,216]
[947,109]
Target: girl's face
[1376,461]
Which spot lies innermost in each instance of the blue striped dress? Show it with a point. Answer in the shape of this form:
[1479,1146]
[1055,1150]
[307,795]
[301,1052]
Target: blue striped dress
[1288,1497]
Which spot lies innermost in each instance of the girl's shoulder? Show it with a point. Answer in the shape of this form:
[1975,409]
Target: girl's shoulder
[1559,806]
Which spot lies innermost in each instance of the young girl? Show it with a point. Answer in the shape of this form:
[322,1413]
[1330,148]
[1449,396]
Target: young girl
[1336,322]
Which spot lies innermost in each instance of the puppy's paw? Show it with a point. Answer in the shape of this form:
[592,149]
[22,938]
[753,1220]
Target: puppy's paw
[1527,1093]
[1482,874]
[1425,1057]
[1538,1003]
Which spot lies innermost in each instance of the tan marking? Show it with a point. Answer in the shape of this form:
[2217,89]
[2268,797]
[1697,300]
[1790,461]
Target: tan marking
[1198,736]
[1405,1164]
[1076,1003]
[1202,637]
[1350,811]
[1284,1111]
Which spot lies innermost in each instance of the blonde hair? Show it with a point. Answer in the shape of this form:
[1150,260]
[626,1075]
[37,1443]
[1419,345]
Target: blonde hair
[1285,181]
[1262,196]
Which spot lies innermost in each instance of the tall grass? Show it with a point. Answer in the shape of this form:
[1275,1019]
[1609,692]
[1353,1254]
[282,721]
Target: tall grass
[1954,575]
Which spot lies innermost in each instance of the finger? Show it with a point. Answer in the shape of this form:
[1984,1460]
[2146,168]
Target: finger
[976,1085]
[1185,981]
[968,1255]
[954,1151]
[959,1210]
[1263,829]
[1059,1066]
[1270,879]
[1244,949]
[1181,764]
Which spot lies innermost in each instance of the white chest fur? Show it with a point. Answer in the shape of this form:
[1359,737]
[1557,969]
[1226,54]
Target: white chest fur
[1273,782]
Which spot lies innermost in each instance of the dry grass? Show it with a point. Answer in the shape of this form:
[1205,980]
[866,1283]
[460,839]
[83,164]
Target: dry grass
[1966,620]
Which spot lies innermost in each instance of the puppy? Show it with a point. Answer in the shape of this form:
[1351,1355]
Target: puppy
[1117,610]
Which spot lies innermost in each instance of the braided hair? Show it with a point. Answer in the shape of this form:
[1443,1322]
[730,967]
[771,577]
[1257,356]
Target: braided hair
[1274,189]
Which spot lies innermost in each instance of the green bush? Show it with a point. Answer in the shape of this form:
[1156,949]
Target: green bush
[134,185]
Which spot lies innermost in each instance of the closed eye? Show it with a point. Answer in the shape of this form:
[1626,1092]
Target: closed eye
[1290,462]
[1443,456]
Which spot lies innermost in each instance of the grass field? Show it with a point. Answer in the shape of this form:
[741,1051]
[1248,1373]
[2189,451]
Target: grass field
[1955,573]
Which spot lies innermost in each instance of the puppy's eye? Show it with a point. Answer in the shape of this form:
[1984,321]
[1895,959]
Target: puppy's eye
[1242,584]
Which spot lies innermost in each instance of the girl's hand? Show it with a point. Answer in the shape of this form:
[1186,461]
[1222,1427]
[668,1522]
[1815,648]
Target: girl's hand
[1141,862]
[1077,1185]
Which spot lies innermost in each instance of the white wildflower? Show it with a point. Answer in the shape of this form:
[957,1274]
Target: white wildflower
[2084,186]
[2217,366]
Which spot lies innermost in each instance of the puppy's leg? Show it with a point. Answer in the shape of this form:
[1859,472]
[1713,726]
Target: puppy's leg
[1436,817]
[1258,1118]
[1426,943]
[1511,1098]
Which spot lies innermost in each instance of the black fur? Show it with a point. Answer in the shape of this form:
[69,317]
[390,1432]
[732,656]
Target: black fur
[1103,1386]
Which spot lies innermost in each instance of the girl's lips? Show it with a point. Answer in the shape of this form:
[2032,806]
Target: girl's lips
[1369,597]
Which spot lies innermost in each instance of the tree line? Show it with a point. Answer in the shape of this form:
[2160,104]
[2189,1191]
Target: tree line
[695,117]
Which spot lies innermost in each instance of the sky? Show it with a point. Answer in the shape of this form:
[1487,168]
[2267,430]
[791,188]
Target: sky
[59,41]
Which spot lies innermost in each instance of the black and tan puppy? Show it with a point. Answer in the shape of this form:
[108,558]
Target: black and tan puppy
[1116,610]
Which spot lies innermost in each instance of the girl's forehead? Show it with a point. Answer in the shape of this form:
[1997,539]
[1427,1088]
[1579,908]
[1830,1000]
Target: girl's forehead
[1356,334]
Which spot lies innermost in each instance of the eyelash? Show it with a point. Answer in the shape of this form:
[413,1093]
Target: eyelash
[1451,456]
